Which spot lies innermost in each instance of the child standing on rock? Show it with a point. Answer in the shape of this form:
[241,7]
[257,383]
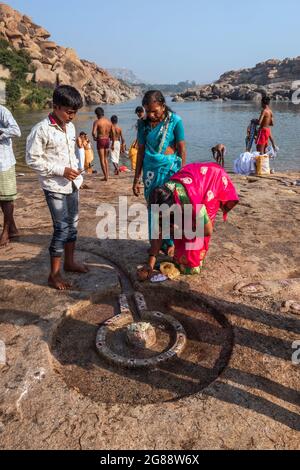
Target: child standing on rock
[50,152]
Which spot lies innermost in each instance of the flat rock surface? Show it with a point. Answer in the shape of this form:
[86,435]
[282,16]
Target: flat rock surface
[236,387]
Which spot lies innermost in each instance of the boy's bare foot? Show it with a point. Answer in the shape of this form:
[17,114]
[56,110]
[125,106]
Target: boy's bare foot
[14,233]
[4,239]
[76,268]
[57,282]
[105,180]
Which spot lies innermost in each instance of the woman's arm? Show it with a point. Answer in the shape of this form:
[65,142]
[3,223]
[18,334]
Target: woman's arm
[208,229]
[138,171]
[145,273]
[181,149]
[180,141]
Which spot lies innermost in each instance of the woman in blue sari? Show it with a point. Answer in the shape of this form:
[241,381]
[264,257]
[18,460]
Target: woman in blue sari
[162,150]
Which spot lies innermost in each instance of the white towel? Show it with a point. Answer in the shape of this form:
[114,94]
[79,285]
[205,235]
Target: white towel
[115,154]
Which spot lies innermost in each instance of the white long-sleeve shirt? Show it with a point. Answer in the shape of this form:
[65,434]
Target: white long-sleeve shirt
[49,151]
[8,129]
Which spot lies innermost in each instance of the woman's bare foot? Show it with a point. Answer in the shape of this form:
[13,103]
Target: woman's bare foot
[171,251]
[76,268]
[57,282]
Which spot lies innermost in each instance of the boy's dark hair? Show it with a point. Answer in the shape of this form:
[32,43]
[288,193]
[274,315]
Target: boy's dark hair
[114,119]
[67,96]
[99,112]
[82,133]
[266,101]
[139,110]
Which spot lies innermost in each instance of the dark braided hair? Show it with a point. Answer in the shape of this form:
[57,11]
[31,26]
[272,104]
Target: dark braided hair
[162,195]
[156,96]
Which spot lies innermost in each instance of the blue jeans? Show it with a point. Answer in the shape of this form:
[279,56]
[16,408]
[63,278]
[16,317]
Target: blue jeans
[64,209]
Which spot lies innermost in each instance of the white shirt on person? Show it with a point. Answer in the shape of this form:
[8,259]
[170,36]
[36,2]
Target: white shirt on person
[8,129]
[49,151]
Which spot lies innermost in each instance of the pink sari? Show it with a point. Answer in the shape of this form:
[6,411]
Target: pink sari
[206,184]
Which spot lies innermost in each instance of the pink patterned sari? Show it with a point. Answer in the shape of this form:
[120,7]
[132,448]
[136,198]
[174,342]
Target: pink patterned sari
[205,184]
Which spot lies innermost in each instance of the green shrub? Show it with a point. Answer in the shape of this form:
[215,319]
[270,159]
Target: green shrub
[13,93]
[38,97]
[19,63]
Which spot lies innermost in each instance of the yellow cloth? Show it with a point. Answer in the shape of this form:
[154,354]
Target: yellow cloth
[263,165]
[133,153]
[169,270]
[89,158]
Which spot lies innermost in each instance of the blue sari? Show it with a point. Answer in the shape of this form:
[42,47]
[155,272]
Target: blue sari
[158,168]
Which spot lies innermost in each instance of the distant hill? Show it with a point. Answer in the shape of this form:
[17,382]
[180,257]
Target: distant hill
[168,89]
[126,75]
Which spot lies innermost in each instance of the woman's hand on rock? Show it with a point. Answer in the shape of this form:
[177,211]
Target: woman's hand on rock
[144,274]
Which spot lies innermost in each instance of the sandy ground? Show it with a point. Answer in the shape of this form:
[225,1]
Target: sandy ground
[235,387]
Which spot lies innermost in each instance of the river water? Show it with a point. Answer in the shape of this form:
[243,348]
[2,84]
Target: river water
[206,124]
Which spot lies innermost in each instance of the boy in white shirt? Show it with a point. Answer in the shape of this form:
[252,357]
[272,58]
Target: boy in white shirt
[50,151]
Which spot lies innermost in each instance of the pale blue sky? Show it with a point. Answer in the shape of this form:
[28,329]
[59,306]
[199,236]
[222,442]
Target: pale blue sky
[166,41]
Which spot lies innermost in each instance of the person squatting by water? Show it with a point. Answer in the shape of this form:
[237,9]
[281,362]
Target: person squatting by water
[8,184]
[161,149]
[202,189]
[118,144]
[50,151]
[102,133]
[219,153]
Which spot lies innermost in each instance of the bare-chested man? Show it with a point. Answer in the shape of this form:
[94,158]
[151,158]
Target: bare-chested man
[219,152]
[266,121]
[118,143]
[102,131]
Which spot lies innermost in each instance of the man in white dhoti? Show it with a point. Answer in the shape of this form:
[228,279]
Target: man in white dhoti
[118,144]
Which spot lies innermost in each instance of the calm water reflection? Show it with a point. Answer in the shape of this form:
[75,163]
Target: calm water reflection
[205,124]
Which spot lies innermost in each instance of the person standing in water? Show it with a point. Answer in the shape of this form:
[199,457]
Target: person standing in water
[102,132]
[266,121]
[80,152]
[118,144]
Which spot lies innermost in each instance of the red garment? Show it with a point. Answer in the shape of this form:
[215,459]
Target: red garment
[263,136]
[103,143]
[208,184]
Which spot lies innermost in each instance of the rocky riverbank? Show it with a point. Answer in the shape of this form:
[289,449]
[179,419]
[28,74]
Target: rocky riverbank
[53,64]
[239,389]
[274,78]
